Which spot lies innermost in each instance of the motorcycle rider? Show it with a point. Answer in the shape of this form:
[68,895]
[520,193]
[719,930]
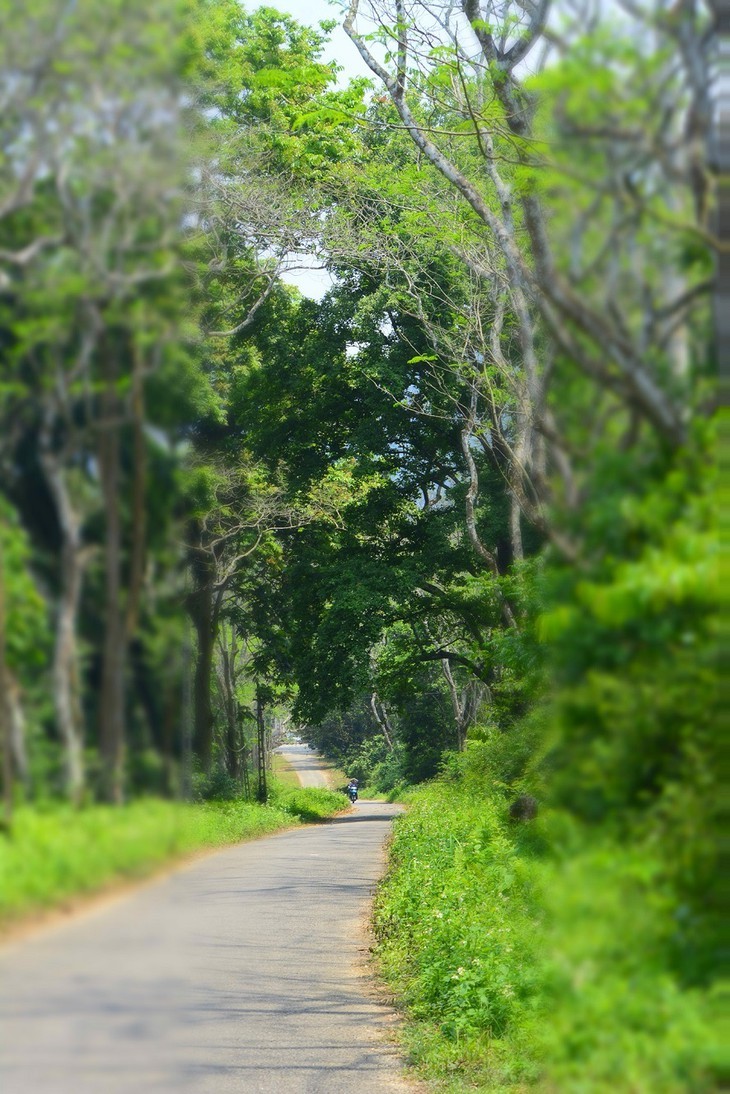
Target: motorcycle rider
[352,789]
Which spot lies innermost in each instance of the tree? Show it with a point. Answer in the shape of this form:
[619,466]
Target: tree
[90,217]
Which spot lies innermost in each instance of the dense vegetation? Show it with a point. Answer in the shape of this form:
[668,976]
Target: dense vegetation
[453,520]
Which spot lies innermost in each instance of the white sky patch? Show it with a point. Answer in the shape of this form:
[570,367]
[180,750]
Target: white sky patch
[309,276]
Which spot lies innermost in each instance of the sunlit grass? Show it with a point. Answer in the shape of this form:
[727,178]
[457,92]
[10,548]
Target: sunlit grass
[283,771]
[307,803]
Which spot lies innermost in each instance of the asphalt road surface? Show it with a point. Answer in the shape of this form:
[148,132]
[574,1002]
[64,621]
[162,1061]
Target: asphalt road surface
[242,971]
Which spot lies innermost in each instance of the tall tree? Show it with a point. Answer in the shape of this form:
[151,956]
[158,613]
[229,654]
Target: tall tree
[90,218]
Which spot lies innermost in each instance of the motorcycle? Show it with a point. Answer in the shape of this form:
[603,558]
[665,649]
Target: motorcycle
[352,793]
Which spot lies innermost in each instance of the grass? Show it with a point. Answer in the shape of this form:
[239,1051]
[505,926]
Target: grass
[521,968]
[56,854]
[283,771]
[307,803]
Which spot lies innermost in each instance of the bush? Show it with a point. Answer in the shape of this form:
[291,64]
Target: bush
[217,786]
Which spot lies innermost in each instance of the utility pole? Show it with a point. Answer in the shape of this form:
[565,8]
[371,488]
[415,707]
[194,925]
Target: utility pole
[261,788]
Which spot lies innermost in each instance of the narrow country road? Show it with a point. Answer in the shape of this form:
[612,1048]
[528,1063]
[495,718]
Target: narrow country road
[307,764]
[241,972]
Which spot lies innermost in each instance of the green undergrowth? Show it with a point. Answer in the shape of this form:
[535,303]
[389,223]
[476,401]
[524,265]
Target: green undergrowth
[307,803]
[57,853]
[528,956]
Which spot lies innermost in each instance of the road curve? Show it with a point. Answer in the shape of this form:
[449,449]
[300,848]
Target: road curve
[237,973]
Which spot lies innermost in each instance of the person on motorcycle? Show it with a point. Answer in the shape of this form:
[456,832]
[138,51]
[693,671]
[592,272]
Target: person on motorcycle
[352,789]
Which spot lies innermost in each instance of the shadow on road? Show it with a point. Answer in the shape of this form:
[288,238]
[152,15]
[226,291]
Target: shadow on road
[355,817]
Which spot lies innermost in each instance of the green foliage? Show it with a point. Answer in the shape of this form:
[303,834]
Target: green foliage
[456,939]
[469,972]
[617,1010]
[631,726]
[219,786]
[533,955]
[376,764]
[342,735]
[313,466]
[307,803]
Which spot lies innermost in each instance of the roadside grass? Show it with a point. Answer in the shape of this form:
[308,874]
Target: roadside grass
[283,771]
[57,854]
[307,803]
[521,967]
[367,793]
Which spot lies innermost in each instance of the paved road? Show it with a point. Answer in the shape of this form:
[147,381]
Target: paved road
[306,763]
[236,973]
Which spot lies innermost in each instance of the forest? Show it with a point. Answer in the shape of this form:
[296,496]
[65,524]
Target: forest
[452,522]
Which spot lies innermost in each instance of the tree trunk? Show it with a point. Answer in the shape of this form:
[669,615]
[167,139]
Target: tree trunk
[202,603]
[14,711]
[5,728]
[186,722]
[227,681]
[203,607]
[139,509]
[381,717]
[112,697]
[65,669]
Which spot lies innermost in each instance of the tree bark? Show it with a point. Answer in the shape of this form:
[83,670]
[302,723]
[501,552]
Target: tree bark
[381,717]
[5,727]
[112,697]
[261,787]
[227,681]
[14,711]
[139,509]
[202,609]
[74,558]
